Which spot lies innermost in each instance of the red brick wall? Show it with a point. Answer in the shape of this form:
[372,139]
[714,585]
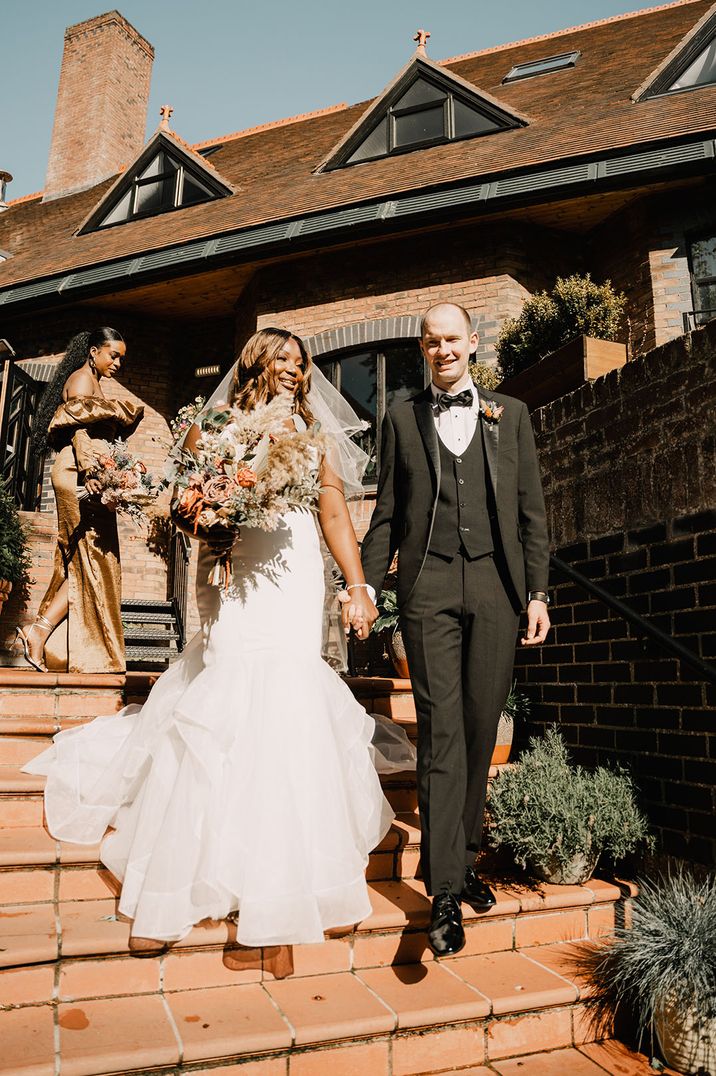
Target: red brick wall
[489,269]
[101,110]
[630,485]
[644,251]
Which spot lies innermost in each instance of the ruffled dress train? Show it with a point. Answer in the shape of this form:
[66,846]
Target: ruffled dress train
[248,780]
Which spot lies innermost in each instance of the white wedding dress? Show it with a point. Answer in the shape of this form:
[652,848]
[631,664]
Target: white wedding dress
[247,781]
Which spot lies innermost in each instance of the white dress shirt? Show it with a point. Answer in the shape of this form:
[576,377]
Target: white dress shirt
[456,426]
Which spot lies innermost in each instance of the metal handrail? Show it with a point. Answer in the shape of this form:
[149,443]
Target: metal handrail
[644,627]
[179,582]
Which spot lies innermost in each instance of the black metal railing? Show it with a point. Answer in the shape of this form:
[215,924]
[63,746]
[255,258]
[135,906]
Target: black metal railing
[694,318]
[179,552]
[642,626]
[19,469]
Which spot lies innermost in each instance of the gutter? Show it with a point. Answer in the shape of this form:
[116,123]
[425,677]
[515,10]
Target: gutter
[373,218]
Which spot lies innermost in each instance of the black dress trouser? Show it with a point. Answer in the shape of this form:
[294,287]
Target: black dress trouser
[459,626]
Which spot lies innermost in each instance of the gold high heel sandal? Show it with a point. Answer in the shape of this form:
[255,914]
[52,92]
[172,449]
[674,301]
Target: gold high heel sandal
[22,638]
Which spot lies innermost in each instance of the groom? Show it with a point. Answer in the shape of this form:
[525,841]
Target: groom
[460,498]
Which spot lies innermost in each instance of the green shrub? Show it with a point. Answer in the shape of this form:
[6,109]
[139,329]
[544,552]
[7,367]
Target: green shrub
[387,606]
[517,705]
[485,376]
[576,306]
[548,811]
[14,553]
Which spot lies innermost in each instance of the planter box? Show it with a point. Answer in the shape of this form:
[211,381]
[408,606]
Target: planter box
[582,359]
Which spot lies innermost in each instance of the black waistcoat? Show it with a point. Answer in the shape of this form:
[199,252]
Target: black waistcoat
[462,520]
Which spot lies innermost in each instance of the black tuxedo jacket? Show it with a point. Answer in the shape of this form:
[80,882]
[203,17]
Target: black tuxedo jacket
[408,494]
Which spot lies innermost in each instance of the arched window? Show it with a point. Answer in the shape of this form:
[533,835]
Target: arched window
[372,378]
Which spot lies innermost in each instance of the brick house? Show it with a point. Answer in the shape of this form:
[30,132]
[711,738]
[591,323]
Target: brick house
[480,178]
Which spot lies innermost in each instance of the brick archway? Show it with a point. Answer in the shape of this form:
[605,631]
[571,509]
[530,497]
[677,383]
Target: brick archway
[377,331]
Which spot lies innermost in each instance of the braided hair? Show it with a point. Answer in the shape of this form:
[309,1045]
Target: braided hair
[76,356]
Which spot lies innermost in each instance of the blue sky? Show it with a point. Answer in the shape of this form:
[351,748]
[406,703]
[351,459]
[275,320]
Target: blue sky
[229,64]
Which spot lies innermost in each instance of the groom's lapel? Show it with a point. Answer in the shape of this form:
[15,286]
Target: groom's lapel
[423,408]
[491,441]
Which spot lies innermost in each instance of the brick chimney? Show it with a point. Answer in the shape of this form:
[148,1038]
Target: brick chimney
[101,113]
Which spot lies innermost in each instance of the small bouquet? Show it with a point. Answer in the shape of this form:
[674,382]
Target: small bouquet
[185,416]
[247,470]
[126,484]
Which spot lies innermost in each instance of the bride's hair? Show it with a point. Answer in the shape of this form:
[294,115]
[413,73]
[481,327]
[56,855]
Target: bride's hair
[254,376]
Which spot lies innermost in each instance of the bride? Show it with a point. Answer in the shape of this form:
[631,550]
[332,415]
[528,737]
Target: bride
[247,782]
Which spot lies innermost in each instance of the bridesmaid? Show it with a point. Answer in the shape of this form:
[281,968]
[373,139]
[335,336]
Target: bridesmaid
[84,594]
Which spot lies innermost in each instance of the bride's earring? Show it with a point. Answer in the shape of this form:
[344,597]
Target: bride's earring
[92,364]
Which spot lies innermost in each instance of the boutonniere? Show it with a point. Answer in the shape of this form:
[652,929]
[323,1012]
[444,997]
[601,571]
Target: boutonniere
[490,411]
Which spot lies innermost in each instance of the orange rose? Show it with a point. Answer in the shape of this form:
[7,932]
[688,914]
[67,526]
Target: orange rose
[246,478]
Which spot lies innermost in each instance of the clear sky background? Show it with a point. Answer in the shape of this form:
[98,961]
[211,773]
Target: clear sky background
[229,64]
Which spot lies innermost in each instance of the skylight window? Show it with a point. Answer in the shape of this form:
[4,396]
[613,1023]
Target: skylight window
[165,183]
[541,67]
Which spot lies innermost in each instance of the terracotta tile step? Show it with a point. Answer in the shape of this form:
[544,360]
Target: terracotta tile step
[48,918]
[474,1011]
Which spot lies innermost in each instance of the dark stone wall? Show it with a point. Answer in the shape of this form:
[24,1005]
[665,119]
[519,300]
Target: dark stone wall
[630,483]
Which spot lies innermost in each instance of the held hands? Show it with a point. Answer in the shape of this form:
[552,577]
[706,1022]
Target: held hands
[357,611]
[537,623]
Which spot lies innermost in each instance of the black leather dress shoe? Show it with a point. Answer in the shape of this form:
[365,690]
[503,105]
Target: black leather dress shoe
[475,893]
[446,935]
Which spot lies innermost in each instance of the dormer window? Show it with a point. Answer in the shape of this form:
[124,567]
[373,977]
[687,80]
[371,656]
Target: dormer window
[690,65]
[425,105]
[167,175]
[541,67]
[423,116]
[166,183]
[701,72]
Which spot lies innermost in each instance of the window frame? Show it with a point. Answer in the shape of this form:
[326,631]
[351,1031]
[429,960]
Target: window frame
[136,182]
[330,365]
[697,282]
[662,84]
[451,94]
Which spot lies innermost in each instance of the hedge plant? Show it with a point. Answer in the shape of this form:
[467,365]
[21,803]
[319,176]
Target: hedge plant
[576,306]
[14,552]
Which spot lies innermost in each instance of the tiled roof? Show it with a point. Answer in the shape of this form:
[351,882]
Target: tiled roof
[578,111]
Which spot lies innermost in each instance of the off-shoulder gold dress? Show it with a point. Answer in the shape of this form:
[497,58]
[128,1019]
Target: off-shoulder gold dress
[87,554]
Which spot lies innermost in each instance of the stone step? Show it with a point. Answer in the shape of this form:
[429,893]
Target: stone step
[120,1017]
[68,909]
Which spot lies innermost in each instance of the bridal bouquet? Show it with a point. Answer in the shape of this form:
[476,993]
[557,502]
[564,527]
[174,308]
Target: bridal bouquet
[126,484]
[247,470]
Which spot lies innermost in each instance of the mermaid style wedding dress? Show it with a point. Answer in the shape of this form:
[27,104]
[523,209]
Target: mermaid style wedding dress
[248,780]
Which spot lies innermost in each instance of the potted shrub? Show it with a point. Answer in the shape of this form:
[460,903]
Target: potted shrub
[516,707]
[561,339]
[557,818]
[484,375]
[662,968]
[389,622]
[14,552]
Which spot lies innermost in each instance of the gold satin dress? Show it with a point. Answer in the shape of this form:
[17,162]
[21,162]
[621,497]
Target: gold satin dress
[90,639]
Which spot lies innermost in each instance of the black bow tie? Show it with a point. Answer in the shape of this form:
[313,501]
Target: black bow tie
[463,399]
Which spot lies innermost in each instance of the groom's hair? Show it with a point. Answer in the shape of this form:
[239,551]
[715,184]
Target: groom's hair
[438,306]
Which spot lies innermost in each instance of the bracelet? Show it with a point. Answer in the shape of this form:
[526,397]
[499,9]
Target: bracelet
[539,596]
[355,586]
